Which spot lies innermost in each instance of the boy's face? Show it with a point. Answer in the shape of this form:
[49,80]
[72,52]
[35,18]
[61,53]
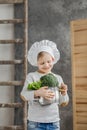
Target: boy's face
[45,63]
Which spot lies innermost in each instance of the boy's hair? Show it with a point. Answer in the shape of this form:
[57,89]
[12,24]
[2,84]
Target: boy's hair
[41,54]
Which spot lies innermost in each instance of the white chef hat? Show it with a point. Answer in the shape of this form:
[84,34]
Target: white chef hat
[46,46]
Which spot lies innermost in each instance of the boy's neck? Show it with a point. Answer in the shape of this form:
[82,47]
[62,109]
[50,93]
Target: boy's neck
[43,72]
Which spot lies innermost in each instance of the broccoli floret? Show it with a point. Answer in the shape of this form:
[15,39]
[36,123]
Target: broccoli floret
[49,80]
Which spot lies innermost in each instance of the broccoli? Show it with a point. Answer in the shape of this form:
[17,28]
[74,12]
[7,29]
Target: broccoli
[47,80]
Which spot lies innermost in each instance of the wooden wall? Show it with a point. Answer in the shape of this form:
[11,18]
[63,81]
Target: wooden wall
[79,73]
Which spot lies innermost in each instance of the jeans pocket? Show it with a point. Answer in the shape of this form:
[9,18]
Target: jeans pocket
[56,125]
[32,125]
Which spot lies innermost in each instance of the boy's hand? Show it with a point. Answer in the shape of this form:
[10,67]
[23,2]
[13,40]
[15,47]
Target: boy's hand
[63,89]
[45,93]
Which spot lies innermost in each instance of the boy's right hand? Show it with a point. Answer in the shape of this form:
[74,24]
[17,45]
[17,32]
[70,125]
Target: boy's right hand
[44,92]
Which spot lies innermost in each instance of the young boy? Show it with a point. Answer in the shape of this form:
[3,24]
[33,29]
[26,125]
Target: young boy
[44,55]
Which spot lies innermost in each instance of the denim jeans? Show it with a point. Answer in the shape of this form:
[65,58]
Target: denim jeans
[43,126]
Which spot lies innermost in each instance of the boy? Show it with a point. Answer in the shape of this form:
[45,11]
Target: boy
[44,55]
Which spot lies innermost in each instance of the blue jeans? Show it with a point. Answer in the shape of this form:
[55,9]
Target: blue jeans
[43,126]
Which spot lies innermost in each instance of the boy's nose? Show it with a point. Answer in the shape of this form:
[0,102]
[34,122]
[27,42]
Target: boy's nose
[46,64]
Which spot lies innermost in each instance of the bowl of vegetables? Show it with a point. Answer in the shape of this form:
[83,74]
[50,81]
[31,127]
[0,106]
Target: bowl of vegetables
[49,80]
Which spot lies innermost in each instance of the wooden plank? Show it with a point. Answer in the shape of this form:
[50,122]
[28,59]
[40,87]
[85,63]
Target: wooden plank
[81,72]
[80,56]
[81,100]
[81,127]
[15,127]
[18,41]
[25,58]
[79,25]
[79,22]
[11,62]
[25,36]
[81,65]
[11,105]
[11,83]
[82,119]
[80,37]
[25,114]
[81,94]
[73,75]
[81,114]
[11,1]
[80,62]
[80,49]
[11,21]
[81,81]
[80,28]
[81,87]
[81,107]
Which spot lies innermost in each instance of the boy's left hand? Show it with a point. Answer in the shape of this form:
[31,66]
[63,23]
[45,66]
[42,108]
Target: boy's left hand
[63,89]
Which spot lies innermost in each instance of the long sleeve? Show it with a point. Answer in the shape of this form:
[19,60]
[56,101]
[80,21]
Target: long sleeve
[28,95]
[63,100]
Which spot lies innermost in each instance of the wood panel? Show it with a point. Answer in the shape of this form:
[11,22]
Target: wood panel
[81,94]
[81,126]
[10,1]
[82,107]
[79,73]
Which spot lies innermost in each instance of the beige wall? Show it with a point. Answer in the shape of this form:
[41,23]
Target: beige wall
[6,71]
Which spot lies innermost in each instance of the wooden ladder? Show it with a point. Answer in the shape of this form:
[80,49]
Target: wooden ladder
[23,61]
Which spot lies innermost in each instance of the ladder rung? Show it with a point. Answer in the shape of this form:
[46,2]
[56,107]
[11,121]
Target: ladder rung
[11,41]
[11,1]
[11,62]
[15,127]
[11,105]
[11,21]
[11,83]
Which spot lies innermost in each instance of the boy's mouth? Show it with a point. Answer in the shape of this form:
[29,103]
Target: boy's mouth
[46,68]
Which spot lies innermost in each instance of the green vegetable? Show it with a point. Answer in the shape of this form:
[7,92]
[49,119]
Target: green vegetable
[34,85]
[47,80]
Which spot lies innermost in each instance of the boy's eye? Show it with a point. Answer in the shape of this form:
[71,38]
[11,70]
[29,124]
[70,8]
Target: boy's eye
[42,63]
[49,61]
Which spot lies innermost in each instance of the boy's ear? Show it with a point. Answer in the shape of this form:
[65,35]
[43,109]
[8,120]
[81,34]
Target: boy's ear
[52,59]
